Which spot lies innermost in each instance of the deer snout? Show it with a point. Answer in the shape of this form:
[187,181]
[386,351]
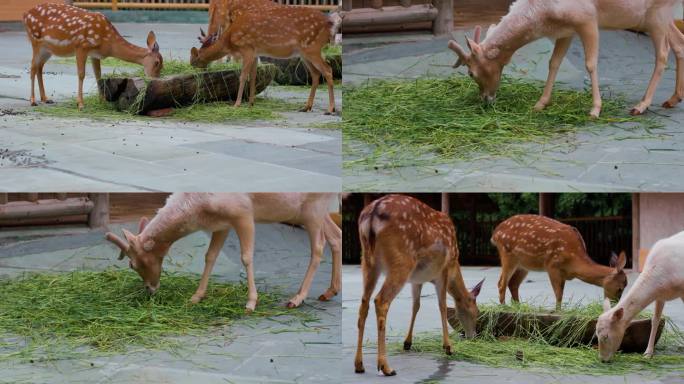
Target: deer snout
[151,289]
[488,99]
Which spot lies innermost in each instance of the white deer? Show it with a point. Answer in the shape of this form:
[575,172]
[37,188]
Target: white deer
[530,20]
[218,213]
[661,280]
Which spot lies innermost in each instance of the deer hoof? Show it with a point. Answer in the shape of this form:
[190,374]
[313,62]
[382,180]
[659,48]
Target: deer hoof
[34,104]
[407,345]
[387,372]
[196,298]
[648,355]
[447,349]
[358,368]
[291,305]
[636,112]
[305,109]
[672,102]
[48,101]
[539,106]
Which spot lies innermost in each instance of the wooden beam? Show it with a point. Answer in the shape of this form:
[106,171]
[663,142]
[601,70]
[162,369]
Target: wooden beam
[389,15]
[45,208]
[99,216]
[4,198]
[636,232]
[444,23]
[445,203]
[547,204]
[33,197]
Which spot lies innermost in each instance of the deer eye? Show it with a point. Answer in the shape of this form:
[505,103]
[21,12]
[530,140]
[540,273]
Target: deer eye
[470,73]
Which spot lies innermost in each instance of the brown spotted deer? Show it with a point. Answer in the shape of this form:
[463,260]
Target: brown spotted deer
[218,213]
[538,243]
[530,20]
[412,243]
[279,32]
[63,30]
[661,280]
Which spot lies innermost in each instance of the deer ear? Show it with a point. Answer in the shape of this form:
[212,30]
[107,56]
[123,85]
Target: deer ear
[474,47]
[477,34]
[621,261]
[476,289]
[193,52]
[143,223]
[152,42]
[618,314]
[202,32]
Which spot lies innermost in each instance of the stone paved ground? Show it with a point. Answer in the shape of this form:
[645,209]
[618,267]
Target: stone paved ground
[265,351]
[290,154]
[416,368]
[617,160]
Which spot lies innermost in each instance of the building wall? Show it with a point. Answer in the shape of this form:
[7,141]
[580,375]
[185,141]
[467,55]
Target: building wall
[13,10]
[660,215]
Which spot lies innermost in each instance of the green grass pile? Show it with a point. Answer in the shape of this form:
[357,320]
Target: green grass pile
[57,315]
[444,119]
[552,351]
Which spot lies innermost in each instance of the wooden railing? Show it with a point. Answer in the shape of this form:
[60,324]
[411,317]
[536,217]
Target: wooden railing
[115,5]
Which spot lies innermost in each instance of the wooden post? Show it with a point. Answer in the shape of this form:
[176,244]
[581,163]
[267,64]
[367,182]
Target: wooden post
[366,199]
[99,216]
[405,3]
[115,5]
[444,23]
[32,197]
[61,196]
[445,203]
[3,198]
[636,235]
[547,204]
[347,5]
[376,4]
[23,210]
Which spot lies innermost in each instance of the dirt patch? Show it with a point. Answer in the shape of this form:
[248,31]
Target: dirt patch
[20,158]
[10,112]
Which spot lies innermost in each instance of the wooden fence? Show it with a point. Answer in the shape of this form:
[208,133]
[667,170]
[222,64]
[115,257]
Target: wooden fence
[115,5]
[392,16]
[21,209]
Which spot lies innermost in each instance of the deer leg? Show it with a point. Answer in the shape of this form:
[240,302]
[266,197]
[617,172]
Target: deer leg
[315,79]
[661,47]
[395,280]
[317,241]
[589,34]
[323,67]
[655,321]
[244,227]
[218,238]
[559,51]
[252,83]
[676,39]
[43,58]
[97,71]
[34,70]
[441,286]
[370,279]
[515,281]
[558,284]
[248,57]
[415,293]
[81,58]
[333,235]
[507,270]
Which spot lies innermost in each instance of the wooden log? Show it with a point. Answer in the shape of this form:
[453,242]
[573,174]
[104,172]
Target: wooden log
[444,23]
[4,198]
[99,215]
[179,90]
[389,15]
[292,71]
[45,208]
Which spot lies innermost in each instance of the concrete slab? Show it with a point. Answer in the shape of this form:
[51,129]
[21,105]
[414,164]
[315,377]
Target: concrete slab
[84,154]
[585,161]
[252,351]
[416,368]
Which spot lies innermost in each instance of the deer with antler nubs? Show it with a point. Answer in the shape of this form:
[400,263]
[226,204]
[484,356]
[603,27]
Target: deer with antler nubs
[280,32]
[661,280]
[63,30]
[530,20]
[218,213]
[413,243]
[538,243]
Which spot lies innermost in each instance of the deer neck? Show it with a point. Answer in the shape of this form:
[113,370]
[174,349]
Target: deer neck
[513,32]
[590,272]
[457,289]
[167,227]
[638,297]
[123,50]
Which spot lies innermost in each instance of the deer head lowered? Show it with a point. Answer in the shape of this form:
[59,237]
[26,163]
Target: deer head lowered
[410,242]
[63,30]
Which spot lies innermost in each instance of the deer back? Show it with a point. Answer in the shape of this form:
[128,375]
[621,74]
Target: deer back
[535,241]
[401,230]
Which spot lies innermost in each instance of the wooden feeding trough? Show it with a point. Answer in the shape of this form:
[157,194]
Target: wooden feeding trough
[292,71]
[509,324]
[141,95]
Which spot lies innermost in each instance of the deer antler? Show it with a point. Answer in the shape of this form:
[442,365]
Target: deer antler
[119,243]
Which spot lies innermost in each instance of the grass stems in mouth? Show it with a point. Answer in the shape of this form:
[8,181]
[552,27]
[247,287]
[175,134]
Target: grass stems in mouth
[409,122]
[47,316]
[550,351]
